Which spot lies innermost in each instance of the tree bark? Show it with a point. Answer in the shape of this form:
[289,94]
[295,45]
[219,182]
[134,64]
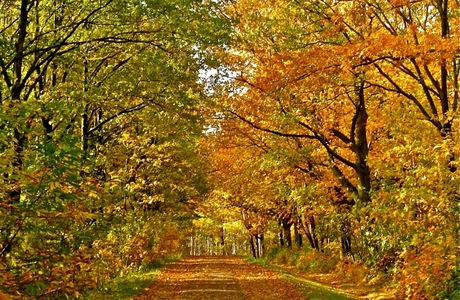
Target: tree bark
[222,241]
[260,245]
[361,147]
[298,236]
[253,247]
[345,239]
[286,225]
[309,228]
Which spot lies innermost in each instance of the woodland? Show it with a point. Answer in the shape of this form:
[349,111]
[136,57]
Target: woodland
[322,132]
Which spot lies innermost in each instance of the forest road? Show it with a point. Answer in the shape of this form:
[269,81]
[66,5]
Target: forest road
[220,278]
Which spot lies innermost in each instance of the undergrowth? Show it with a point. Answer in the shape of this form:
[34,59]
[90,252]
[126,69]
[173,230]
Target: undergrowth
[305,260]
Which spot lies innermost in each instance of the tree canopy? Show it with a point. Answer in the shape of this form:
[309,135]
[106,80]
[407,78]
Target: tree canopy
[131,130]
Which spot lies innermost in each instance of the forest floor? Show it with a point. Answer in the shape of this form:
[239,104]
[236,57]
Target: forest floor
[233,278]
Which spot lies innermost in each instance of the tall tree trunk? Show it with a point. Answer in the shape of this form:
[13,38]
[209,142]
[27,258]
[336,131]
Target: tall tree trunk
[309,228]
[222,241]
[297,236]
[260,244]
[346,246]
[16,87]
[361,147]
[286,225]
[16,95]
[281,238]
[253,246]
[85,115]
[345,239]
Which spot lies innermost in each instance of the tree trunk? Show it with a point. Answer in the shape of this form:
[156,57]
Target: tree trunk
[298,236]
[346,246]
[16,94]
[281,238]
[16,87]
[286,225]
[347,250]
[260,245]
[85,115]
[287,234]
[222,241]
[361,147]
[253,247]
[309,228]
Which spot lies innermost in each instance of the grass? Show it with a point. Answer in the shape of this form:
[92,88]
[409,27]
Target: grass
[124,287]
[311,289]
[315,291]
[129,285]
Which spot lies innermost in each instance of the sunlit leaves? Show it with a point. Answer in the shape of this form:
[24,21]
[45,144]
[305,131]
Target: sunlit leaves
[98,126]
[346,111]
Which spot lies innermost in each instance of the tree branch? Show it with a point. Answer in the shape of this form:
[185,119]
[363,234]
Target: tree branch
[275,132]
[122,112]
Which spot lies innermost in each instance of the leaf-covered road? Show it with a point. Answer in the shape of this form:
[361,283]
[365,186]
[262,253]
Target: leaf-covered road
[222,278]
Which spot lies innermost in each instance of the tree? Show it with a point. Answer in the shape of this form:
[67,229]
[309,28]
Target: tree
[314,76]
[86,91]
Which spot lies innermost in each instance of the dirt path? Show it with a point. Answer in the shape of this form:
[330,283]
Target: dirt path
[220,278]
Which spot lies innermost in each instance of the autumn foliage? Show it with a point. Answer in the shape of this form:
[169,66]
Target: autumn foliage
[338,120]
[132,130]
[98,131]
